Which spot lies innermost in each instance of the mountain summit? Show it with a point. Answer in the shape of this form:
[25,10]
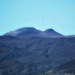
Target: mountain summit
[26,32]
[49,30]
[52,33]
[30,32]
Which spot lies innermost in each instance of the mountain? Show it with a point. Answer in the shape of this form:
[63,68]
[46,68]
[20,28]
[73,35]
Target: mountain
[34,56]
[47,53]
[50,33]
[27,32]
[30,32]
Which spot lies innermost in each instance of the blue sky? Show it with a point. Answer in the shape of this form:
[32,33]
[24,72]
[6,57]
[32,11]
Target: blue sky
[42,14]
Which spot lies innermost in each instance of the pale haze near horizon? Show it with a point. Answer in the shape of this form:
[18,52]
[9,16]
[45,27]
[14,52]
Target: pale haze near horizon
[42,14]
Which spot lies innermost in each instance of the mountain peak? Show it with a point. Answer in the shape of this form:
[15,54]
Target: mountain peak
[25,32]
[49,30]
[52,33]
[26,29]
[29,32]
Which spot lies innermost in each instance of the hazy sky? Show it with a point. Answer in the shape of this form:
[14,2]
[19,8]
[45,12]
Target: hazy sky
[42,14]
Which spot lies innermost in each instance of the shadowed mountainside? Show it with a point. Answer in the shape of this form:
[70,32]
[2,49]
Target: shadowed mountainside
[36,55]
[30,32]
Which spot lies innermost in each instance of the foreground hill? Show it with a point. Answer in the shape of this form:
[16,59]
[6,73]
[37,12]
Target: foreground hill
[34,56]
[68,67]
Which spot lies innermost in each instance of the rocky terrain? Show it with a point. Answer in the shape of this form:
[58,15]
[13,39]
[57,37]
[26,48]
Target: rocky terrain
[28,51]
